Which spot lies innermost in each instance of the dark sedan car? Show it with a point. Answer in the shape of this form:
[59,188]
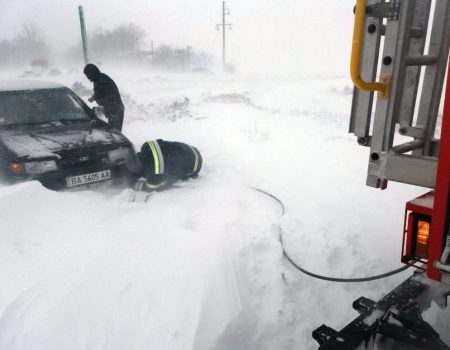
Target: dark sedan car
[49,134]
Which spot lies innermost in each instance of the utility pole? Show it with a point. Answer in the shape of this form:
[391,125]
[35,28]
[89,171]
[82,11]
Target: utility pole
[83,35]
[225,12]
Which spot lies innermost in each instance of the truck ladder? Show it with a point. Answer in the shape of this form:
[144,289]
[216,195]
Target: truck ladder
[409,90]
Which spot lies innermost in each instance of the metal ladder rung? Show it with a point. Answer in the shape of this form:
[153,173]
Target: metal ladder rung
[408,146]
[411,131]
[422,60]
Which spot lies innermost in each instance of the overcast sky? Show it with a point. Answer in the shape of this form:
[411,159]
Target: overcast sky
[283,35]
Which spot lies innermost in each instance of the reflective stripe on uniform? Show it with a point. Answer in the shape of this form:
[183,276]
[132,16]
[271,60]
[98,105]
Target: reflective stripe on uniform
[139,185]
[196,160]
[157,157]
[155,187]
[160,156]
[143,185]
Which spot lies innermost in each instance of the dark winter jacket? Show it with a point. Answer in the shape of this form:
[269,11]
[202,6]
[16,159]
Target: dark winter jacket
[106,93]
[163,162]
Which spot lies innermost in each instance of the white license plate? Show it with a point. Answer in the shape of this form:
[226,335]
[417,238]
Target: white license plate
[88,178]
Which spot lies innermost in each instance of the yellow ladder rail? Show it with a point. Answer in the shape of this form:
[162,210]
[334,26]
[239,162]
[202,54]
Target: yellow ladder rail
[355,62]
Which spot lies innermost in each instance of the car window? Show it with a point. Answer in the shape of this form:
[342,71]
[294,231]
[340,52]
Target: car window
[39,106]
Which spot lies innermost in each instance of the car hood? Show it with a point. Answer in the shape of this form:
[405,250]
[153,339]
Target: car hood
[48,142]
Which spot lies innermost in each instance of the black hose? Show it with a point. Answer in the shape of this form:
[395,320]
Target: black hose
[283,209]
[314,275]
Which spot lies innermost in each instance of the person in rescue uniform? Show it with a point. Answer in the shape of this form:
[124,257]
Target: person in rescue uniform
[107,95]
[161,163]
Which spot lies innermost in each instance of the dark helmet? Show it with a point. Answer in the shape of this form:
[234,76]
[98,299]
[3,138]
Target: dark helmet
[91,71]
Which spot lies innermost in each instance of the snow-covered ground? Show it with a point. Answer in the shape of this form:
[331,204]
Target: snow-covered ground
[200,266]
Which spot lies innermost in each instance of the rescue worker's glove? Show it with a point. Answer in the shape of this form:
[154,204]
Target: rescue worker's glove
[133,163]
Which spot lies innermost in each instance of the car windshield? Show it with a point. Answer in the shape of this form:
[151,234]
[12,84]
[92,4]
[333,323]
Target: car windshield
[39,106]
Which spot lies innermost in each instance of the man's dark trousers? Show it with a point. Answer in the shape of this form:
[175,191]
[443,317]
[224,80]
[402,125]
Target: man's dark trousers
[115,117]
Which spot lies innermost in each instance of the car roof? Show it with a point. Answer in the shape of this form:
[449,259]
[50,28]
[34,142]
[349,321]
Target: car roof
[22,85]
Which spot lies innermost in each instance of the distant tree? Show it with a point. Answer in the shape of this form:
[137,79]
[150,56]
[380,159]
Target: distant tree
[166,57]
[178,59]
[30,42]
[98,42]
[123,40]
[128,37]
[125,43]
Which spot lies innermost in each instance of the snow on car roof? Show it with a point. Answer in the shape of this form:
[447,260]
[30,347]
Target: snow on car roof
[20,85]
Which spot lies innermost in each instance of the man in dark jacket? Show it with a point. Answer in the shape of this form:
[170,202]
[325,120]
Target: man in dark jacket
[161,163]
[106,94]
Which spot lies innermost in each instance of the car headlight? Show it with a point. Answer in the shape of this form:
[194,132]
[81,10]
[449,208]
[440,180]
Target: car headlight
[118,155]
[40,167]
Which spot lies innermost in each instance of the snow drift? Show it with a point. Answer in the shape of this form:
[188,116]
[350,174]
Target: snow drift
[200,266]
